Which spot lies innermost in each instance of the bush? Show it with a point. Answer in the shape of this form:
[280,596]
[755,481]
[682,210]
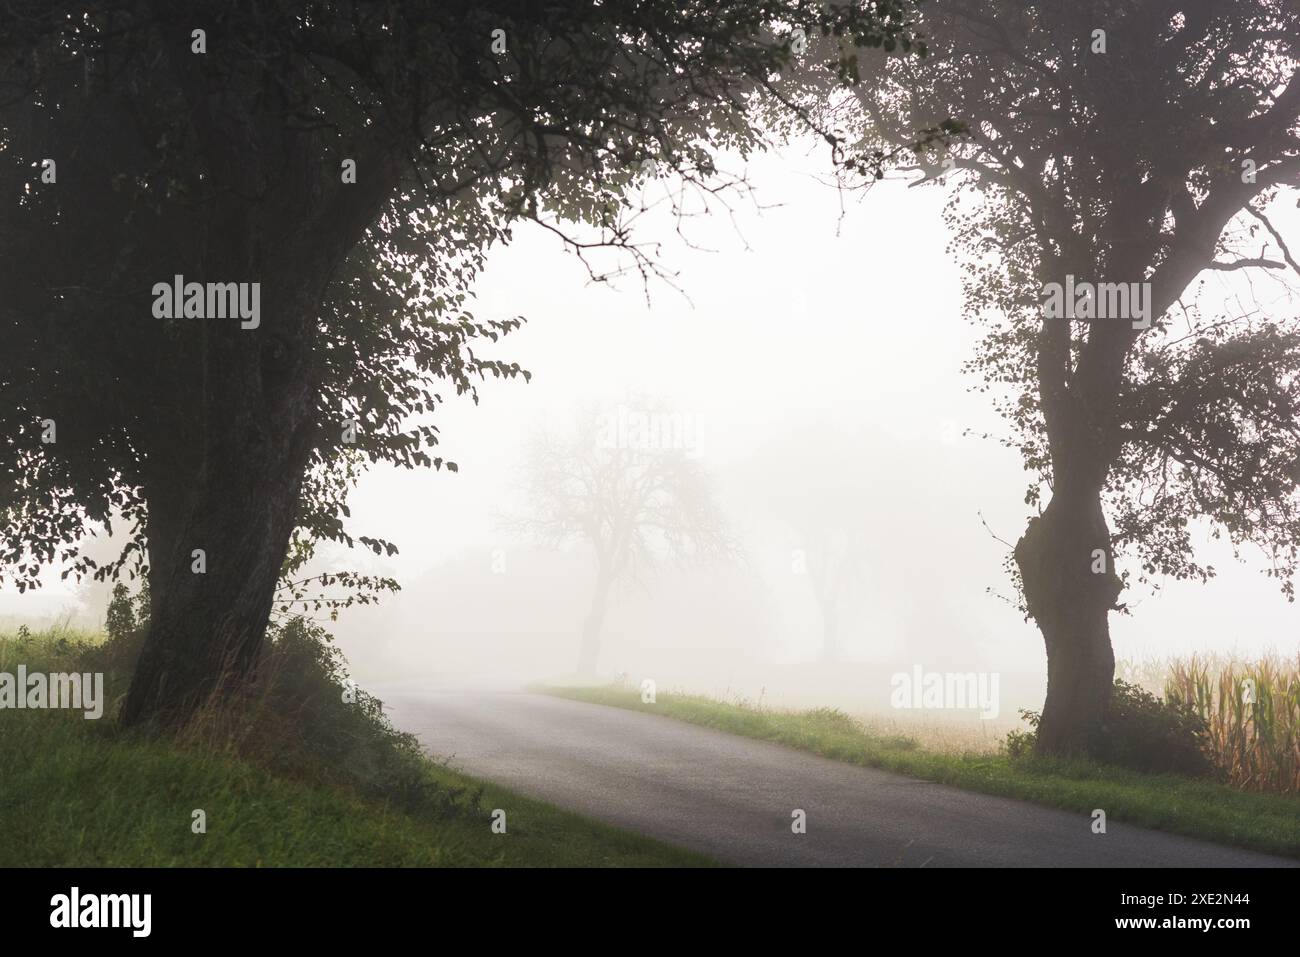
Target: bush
[120,621]
[1140,732]
[833,719]
[116,650]
[1020,744]
[303,717]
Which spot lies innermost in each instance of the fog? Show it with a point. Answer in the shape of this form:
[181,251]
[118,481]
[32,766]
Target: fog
[815,350]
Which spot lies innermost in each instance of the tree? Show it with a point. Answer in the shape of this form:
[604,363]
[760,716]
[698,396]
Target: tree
[813,485]
[328,174]
[833,562]
[626,493]
[1120,142]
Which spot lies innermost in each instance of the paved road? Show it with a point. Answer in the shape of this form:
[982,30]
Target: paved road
[732,797]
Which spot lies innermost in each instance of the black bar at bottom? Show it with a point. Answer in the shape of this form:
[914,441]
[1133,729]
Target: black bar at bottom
[441,907]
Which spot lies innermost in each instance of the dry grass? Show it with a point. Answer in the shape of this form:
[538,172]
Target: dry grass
[944,735]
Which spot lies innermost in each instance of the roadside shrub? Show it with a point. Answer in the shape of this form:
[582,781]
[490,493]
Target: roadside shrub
[1149,734]
[304,717]
[1020,744]
[1140,732]
[833,719]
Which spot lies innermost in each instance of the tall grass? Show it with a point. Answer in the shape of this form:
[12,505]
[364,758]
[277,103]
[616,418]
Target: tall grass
[1251,711]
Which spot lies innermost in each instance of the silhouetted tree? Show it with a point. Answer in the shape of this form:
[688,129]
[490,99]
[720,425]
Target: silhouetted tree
[354,159]
[630,497]
[1117,141]
[833,556]
[814,485]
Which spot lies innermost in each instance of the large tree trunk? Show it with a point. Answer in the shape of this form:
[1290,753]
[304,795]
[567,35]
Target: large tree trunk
[589,653]
[1070,587]
[225,462]
[207,629]
[230,487]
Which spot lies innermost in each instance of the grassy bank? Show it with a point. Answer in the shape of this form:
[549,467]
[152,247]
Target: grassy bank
[332,787]
[1208,810]
[82,796]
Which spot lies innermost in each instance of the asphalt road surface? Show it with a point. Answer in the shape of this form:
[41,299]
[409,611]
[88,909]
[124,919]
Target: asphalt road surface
[733,798]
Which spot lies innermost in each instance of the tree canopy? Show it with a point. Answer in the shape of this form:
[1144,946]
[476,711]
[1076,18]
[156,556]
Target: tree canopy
[162,142]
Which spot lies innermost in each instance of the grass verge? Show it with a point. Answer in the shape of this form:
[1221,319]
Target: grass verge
[88,797]
[1180,805]
[338,788]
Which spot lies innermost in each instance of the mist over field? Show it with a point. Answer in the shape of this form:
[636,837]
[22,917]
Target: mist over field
[810,360]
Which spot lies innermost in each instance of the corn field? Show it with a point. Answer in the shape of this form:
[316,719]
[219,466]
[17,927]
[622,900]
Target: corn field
[1251,710]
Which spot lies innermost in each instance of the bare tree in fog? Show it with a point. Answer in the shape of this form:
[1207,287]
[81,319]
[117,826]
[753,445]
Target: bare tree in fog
[833,557]
[823,508]
[631,496]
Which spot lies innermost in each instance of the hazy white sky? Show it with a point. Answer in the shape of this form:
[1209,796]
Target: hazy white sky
[801,322]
